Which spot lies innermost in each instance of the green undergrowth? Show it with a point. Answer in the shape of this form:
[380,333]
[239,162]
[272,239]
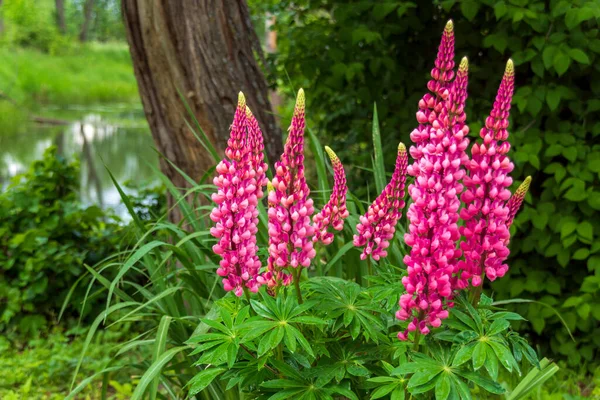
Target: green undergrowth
[41,369]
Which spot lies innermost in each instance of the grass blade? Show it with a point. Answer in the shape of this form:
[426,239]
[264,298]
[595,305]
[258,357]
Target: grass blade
[378,164]
[160,345]
[154,371]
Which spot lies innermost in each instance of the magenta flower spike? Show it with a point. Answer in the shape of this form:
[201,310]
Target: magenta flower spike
[236,213]
[515,201]
[256,144]
[433,229]
[290,229]
[335,211]
[378,225]
[486,213]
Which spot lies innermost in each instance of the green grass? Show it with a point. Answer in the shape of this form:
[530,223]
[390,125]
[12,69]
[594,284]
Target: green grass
[81,74]
[41,369]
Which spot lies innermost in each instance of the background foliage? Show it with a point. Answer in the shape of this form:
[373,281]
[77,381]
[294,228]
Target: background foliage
[46,237]
[349,54]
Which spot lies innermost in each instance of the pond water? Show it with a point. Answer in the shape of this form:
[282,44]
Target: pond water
[116,137]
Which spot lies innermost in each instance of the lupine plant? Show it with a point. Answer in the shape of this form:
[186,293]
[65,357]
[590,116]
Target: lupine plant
[288,315]
[340,341]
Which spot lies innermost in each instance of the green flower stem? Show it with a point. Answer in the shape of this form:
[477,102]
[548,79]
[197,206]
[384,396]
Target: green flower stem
[297,272]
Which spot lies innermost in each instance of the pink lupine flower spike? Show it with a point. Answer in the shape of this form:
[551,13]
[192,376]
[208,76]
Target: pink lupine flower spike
[335,211]
[515,201]
[290,229]
[236,213]
[376,228]
[486,214]
[440,156]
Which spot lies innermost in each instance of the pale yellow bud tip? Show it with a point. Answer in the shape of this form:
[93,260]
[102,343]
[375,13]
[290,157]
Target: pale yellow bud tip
[300,100]
[449,26]
[524,187]
[248,112]
[510,67]
[401,148]
[270,187]
[464,64]
[334,158]
[241,100]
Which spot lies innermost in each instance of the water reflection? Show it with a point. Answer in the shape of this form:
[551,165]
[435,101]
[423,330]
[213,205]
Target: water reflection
[120,140]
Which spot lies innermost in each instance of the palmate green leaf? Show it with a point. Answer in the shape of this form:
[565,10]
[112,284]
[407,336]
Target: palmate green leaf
[443,387]
[208,345]
[383,390]
[483,382]
[491,364]
[290,339]
[464,354]
[473,313]
[253,329]
[498,326]
[461,388]
[343,391]
[465,319]
[504,356]
[207,337]
[287,394]
[398,394]
[423,377]
[479,355]
[214,356]
[201,380]
[507,315]
[309,320]
[262,310]
[283,384]
[302,340]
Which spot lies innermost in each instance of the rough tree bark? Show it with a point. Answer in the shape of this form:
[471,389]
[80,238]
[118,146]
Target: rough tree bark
[205,49]
[88,9]
[60,16]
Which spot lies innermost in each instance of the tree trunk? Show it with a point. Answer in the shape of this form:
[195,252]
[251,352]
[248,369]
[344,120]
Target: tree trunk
[88,9]
[205,50]
[60,16]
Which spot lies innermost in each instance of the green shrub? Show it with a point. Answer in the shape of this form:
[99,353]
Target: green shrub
[349,54]
[46,237]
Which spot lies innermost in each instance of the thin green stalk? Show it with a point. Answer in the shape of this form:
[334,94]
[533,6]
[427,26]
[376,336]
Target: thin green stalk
[247,294]
[417,337]
[369,269]
[297,274]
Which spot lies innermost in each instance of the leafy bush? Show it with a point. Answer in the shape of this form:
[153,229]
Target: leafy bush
[352,53]
[46,238]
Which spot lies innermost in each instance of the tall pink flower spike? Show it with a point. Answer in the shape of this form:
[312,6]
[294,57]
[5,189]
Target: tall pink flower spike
[236,213]
[290,230]
[433,230]
[378,225]
[515,201]
[486,213]
[335,211]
